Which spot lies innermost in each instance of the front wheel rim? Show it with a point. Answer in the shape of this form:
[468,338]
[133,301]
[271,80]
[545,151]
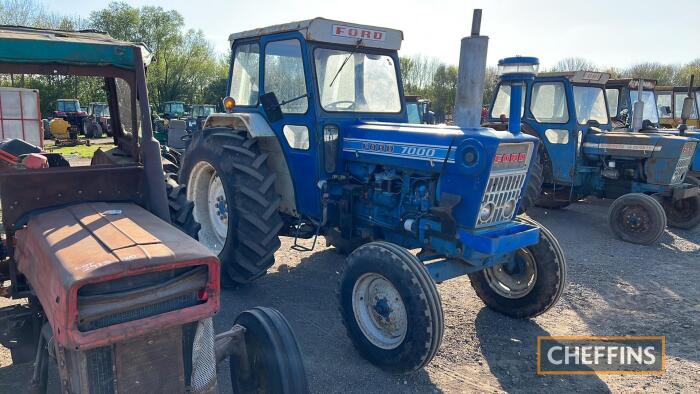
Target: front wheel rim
[379,311]
[515,279]
[206,190]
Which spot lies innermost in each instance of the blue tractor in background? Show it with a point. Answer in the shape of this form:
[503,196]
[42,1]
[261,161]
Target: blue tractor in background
[581,155]
[315,141]
[418,110]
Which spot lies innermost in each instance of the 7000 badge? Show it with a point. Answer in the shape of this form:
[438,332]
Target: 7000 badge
[402,150]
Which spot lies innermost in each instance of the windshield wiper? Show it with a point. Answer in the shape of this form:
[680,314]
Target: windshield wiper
[359,42]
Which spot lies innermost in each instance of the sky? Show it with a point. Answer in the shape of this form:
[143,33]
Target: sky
[614,33]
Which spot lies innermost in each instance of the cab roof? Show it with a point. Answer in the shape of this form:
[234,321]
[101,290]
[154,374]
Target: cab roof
[25,45]
[632,83]
[585,77]
[683,89]
[337,32]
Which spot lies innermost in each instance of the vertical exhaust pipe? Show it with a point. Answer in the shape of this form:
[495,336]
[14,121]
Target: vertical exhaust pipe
[471,76]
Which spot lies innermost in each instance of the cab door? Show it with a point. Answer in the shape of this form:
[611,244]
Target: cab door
[549,113]
[285,71]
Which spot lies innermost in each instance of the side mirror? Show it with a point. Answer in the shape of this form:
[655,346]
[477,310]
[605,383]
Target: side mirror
[688,108]
[271,106]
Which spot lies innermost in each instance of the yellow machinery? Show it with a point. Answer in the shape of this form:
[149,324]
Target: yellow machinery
[65,134]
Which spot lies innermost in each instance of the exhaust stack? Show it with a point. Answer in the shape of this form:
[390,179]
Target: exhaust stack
[471,76]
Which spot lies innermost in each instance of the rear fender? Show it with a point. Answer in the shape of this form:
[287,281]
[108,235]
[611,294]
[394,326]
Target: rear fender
[257,127]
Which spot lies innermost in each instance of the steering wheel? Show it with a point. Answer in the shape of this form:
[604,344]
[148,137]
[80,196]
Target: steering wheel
[334,104]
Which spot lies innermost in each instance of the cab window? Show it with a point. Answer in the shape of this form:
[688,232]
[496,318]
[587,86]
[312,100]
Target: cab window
[664,105]
[613,96]
[245,84]
[501,105]
[284,75]
[548,103]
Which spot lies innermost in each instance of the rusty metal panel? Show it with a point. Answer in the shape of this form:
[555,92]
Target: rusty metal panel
[26,191]
[151,364]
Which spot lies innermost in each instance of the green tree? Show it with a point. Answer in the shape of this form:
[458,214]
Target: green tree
[443,90]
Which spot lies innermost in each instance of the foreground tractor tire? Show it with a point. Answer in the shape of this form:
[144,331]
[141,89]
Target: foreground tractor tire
[274,358]
[234,199]
[180,208]
[390,307]
[685,213]
[528,286]
[637,218]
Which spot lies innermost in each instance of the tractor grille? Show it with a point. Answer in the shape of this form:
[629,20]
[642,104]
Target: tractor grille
[508,176]
[138,297]
[683,163]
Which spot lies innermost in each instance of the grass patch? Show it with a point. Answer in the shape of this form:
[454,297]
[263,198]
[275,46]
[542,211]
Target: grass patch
[82,151]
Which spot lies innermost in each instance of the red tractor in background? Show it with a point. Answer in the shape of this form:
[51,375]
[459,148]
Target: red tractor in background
[117,298]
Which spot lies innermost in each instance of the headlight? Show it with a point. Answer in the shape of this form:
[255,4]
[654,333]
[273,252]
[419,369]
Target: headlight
[486,211]
[509,208]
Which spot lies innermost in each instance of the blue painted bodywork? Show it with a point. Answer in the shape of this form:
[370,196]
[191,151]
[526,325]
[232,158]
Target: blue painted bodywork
[578,164]
[388,172]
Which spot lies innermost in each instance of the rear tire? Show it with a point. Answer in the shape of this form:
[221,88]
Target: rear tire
[530,287]
[274,357]
[234,201]
[685,213]
[637,218]
[534,184]
[390,307]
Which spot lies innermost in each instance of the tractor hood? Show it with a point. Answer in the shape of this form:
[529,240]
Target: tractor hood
[423,147]
[634,145]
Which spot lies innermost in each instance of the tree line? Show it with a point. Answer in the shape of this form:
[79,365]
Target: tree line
[187,68]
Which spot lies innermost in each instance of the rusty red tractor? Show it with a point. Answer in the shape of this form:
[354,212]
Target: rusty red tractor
[118,299]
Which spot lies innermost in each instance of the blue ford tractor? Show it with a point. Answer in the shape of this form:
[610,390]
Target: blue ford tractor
[315,141]
[581,155]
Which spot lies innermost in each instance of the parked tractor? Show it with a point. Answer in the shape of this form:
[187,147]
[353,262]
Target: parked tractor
[172,110]
[315,141]
[97,121]
[418,110]
[70,111]
[118,299]
[581,155]
[199,114]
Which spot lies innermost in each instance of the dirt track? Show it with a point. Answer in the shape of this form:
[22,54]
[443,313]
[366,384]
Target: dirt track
[614,289]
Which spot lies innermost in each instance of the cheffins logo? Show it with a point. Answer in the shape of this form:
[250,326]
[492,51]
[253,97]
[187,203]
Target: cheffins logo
[580,355]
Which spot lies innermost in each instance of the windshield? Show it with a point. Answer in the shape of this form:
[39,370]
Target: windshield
[174,108]
[501,105]
[68,106]
[649,105]
[413,114]
[101,110]
[590,104]
[366,82]
[202,111]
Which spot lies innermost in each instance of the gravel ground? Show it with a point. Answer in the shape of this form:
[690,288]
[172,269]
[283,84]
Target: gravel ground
[614,288]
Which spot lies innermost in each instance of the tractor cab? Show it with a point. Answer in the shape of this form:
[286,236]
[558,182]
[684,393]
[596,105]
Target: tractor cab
[418,110]
[172,109]
[199,114]
[97,121]
[669,101]
[622,94]
[583,154]
[70,111]
[561,108]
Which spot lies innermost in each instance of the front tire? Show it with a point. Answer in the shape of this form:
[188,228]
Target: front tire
[390,307]
[274,358]
[685,213]
[234,201]
[528,286]
[637,218]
